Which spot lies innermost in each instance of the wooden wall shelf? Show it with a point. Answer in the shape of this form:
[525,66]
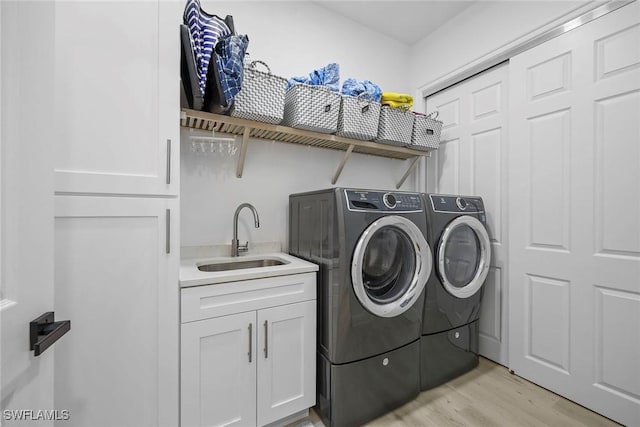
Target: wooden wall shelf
[252,129]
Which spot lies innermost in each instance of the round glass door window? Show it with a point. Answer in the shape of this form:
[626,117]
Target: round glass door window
[464,254]
[391,265]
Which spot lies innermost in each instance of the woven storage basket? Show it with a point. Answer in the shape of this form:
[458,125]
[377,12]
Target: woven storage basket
[395,126]
[426,132]
[314,108]
[261,97]
[358,118]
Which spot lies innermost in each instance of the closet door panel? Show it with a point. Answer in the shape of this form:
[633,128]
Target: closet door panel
[575,209]
[472,160]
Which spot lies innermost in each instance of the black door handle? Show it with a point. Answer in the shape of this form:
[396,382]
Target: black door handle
[43,332]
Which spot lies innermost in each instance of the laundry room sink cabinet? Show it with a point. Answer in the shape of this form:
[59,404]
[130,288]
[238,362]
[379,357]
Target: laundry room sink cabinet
[248,351]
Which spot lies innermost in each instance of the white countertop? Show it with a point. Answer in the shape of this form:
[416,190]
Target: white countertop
[191,276]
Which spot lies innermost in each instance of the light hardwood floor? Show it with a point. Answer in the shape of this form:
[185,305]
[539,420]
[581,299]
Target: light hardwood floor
[487,396]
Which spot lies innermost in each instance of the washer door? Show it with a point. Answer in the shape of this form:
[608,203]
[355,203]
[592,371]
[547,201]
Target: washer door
[464,254]
[391,265]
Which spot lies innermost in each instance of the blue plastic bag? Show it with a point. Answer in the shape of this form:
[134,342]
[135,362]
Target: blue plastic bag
[328,76]
[370,90]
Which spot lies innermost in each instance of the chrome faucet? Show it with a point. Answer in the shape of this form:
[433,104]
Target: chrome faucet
[236,247]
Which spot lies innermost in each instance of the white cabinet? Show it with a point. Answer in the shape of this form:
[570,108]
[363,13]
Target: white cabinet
[92,91]
[250,368]
[115,279]
[219,371]
[115,86]
[116,77]
[286,360]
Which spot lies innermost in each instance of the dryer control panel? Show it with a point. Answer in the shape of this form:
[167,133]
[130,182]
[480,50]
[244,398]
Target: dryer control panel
[456,204]
[385,201]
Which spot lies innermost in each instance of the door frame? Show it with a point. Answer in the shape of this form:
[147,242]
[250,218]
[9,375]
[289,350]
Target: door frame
[575,19]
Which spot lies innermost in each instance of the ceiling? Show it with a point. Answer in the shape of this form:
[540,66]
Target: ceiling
[405,21]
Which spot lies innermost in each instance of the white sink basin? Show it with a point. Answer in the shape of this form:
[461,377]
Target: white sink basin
[240,264]
[207,271]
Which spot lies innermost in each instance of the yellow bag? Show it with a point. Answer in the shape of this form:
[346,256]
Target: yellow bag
[397,97]
[394,104]
[397,100]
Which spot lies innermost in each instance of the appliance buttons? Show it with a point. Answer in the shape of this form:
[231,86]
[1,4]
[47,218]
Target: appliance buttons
[389,200]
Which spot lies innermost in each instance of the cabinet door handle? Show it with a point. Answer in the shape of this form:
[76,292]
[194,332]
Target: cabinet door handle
[250,340]
[266,339]
[167,242]
[168,161]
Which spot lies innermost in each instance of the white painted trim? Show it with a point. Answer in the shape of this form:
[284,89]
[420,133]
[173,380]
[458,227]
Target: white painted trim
[3,302]
[566,22]
[1,191]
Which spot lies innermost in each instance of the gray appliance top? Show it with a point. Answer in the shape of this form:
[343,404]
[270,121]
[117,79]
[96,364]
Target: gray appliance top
[382,201]
[456,204]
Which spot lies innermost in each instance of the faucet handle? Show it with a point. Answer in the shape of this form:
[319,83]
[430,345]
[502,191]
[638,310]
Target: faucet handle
[243,248]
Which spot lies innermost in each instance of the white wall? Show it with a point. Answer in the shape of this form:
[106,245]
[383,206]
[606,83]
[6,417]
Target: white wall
[273,170]
[293,38]
[480,30]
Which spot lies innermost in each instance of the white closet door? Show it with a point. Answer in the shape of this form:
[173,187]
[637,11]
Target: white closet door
[574,212]
[472,160]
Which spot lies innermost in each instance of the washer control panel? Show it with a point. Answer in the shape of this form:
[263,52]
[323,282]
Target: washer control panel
[367,200]
[456,204]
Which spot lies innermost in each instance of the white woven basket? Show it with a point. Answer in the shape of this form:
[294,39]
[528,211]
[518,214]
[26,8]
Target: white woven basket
[395,126]
[261,97]
[426,132]
[358,118]
[313,108]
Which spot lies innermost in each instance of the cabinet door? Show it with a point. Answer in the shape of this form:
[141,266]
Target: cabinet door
[116,83]
[286,360]
[218,373]
[116,279]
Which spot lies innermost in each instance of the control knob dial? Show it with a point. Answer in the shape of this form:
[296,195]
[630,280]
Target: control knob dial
[462,203]
[389,200]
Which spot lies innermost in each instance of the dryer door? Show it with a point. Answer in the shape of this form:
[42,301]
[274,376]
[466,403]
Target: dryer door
[464,254]
[391,264]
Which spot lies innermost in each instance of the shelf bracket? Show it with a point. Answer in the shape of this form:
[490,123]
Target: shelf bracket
[408,172]
[243,151]
[341,165]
